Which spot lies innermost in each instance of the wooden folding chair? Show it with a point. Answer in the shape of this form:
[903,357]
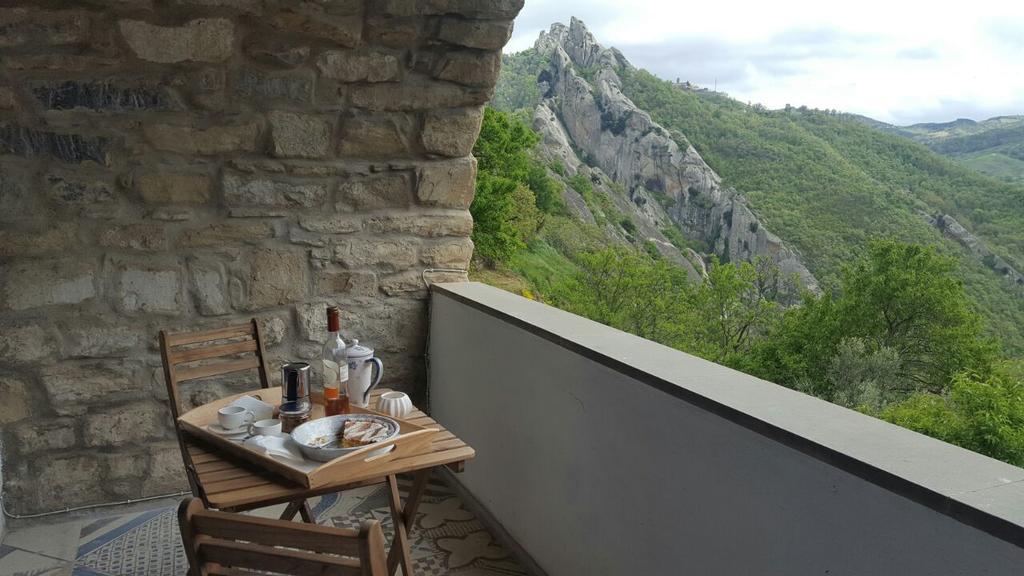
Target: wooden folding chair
[223,543]
[198,355]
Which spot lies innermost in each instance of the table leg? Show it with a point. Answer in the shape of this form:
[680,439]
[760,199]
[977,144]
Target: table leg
[403,518]
[291,510]
[307,513]
[298,507]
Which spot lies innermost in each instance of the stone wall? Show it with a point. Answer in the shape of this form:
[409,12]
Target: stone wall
[185,164]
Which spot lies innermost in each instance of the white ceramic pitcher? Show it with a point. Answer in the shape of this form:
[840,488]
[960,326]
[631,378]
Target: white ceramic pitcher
[360,373]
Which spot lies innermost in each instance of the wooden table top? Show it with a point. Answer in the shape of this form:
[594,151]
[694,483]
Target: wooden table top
[232,483]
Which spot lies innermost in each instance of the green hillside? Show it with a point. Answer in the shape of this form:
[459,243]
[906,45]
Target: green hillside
[994,146]
[827,183]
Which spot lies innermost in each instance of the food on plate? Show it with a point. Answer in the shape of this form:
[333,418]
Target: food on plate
[354,434]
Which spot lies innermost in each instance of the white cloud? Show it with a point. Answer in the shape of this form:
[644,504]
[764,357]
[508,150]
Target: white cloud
[897,61]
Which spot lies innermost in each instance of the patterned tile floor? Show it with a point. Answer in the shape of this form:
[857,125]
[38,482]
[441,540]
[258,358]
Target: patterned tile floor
[447,539]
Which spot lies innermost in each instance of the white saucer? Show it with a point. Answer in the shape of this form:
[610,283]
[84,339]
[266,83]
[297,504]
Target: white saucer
[222,431]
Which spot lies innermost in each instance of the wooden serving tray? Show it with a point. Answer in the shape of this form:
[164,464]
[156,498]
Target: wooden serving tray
[411,440]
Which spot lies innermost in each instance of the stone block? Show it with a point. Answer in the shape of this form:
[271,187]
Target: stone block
[295,87]
[430,225]
[165,188]
[226,233]
[48,282]
[396,325]
[248,6]
[277,277]
[312,320]
[377,136]
[301,237]
[69,148]
[8,100]
[359,66]
[65,479]
[31,26]
[482,34]
[78,190]
[384,254]
[147,289]
[491,9]
[479,69]
[200,40]
[208,288]
[394,32]
[388,191]
[402,283]
[265,191]
[147,237]
[17,198]
[124,470]
[273,330]
[113,95]
[25,343]
[333,224]
[166,472]
[300,135]
[128,423]
[305,20]
[92,341]
[448,184]
[71,386]
[17,404]
[448,254]
[212,140]
[452,132]
[276,51]
[415,93]
[53,239]
[416,283]
[39,435]
[346,282]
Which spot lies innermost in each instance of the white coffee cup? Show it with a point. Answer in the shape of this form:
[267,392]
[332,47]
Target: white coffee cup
[395,404]
[233,417]
[268,427]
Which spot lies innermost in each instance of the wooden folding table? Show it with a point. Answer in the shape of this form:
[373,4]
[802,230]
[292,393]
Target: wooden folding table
[228,482]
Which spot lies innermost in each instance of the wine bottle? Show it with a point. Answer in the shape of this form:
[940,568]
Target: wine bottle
[335,366]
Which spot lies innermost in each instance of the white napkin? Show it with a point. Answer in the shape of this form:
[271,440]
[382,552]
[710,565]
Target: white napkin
[260,409]
[279,447]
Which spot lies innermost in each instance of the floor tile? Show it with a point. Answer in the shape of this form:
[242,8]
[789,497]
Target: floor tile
[445,539]
[24,563]
[56,540]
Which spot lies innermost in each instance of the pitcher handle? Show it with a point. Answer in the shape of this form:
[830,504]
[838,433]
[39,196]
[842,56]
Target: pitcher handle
[380,373]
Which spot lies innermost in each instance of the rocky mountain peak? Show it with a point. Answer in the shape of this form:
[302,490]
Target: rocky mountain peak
[586,122]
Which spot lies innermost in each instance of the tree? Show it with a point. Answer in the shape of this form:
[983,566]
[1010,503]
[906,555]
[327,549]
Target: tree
[900,299]
[511,188]
[981,414]
[909,299]
[504,217]
[733,306]
[625,289]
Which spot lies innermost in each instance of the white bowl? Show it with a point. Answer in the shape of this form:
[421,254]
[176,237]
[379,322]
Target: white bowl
[395,404]
[306,435]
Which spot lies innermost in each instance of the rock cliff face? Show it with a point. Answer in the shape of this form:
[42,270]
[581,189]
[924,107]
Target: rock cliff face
[950,227]
[585,120]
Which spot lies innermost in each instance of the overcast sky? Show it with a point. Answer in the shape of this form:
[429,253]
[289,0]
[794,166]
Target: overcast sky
[895,60]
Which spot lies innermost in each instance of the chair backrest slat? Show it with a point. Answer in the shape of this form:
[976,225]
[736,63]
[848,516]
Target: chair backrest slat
[183,338]
[243,351]
[310,537]
[195,354]
[235,545]
[217,369]
[279,560]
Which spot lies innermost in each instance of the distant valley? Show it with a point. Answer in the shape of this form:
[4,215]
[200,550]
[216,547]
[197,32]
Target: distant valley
[994,146]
